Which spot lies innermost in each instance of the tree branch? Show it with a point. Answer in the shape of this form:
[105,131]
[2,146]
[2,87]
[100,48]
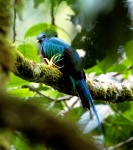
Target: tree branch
[40,126]
[119,144]
[42,73]
[6,58]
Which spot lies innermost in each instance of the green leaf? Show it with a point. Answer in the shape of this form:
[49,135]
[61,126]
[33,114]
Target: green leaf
[118,126]
[43,27]
[126,62]
[53,93]
[55,107]
[75,114]
[103,35]
[105,64]
[129,51]
[120,68]
[44,87]
[40,100]
[121,107]
[29,51]
[129,112]
[46,102]
[38,2]
[22,92]
[20,143]
[117,68]
[16,81]
[95,69]
[36,29]
[127,73]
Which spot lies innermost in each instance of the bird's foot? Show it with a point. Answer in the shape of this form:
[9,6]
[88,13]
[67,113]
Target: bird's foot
[91,115]
[52,62]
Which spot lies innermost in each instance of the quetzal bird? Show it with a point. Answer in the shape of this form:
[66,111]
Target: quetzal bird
[58,53]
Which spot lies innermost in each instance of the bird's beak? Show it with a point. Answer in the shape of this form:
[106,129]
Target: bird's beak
[37,41]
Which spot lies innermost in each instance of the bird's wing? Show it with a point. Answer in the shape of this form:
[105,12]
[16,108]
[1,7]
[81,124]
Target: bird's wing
[69,53]
[52,47]
[70,58]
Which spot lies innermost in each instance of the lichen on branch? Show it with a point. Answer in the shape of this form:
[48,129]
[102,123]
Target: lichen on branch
[41,73]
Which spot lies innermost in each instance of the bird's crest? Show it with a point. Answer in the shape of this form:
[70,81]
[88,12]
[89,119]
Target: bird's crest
[50,33]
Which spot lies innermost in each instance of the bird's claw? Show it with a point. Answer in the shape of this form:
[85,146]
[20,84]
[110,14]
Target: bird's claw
[52,62]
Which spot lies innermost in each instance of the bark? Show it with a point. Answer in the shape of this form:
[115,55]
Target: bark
[41,73]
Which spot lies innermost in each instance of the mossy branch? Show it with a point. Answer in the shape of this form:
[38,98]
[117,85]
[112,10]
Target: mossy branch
[6,58]
[42,73]
[40,126]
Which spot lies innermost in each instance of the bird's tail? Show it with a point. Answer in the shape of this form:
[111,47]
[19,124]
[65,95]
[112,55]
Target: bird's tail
[86,97]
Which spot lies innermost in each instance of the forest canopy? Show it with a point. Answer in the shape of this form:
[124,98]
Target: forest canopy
[39,107]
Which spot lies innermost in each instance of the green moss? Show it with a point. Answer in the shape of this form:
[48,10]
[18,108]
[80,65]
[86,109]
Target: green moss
[97,89]
[103,91]
[5,17]
[52,74]
[111,92]
[126,93]
[6,57]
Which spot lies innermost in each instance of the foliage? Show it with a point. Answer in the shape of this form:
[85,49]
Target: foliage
[106,37]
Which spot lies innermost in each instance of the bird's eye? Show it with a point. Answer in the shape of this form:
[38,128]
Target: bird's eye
[44,36]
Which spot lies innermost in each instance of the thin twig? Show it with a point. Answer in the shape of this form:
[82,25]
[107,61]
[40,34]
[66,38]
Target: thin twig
[52,13]
[37,91]
[53,19]
[67,106]
[14,23]
[120,144]
[65,98]
[75,102]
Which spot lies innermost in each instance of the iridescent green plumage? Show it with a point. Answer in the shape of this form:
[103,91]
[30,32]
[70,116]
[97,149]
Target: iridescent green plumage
[68,62]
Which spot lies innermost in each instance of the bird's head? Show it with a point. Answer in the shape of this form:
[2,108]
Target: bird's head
[44,36]
[41,37]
